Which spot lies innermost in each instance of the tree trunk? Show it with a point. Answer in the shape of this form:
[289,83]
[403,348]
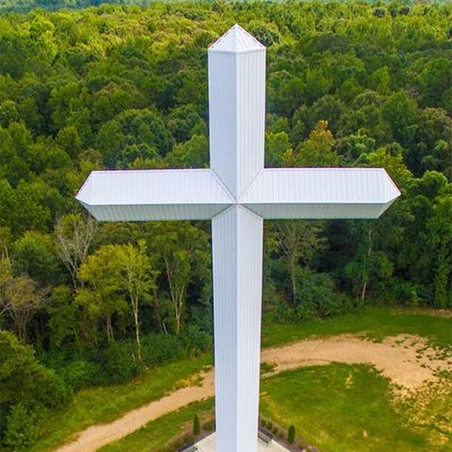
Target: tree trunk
[110,337]
[157,311]
[137,331]
[366,266]
[293,277]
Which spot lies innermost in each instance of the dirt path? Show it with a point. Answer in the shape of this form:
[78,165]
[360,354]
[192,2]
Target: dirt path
[406,360]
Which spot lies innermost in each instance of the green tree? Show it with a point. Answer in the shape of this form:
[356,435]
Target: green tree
[317,150]
[34,254]
[23,379]
[102,295]
[20,298]
[183,251]
[74,234]
[298,241]
[21,429]
[138,278]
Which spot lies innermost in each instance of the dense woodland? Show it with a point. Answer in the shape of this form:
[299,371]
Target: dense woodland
[349,84]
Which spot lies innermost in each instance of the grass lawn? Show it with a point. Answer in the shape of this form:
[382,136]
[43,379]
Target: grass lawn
[337,408]
[343,408]
[377,323]
[161,431]
[104,404]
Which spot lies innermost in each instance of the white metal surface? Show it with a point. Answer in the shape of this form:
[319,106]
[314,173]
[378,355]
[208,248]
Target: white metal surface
[237,193]
[236,40]
[237,279]
[320,193]
[237,108]
[154,195]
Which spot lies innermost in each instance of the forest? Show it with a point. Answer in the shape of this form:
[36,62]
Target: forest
[125,86]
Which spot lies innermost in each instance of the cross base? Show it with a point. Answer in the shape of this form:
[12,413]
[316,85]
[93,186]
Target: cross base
[208,445]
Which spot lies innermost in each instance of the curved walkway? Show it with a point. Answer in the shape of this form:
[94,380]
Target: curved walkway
[406,360]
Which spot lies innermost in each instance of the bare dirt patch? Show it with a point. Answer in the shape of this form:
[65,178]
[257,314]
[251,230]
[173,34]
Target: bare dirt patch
[408,361]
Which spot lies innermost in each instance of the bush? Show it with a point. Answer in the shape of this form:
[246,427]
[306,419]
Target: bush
[196,425]
[209,425]
[81,373]
[21,429]
[24,379]
[197,340]
[119,362]
[315,297]
[291,434]
[52,391]
[160,349]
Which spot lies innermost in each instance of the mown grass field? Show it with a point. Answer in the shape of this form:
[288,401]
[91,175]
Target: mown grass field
[361,418]
[158,433]
[337,408]
[375,323]
[344,408]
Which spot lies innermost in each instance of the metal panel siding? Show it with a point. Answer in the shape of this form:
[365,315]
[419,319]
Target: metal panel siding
[236,40]
[237,116]
[250,117]
[318,211]
[225,287]
[237,277]
[321,193]
[154,212]
[154,195]
[223,117]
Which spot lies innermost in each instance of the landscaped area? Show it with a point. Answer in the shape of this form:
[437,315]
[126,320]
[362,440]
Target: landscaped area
[336,407]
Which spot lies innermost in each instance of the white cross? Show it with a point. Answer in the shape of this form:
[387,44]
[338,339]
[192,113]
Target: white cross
[237,193]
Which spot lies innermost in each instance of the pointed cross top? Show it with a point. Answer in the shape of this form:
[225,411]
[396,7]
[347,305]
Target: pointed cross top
[236,40]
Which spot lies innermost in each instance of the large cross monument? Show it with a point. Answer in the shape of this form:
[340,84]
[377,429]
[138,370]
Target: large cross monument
[237,193]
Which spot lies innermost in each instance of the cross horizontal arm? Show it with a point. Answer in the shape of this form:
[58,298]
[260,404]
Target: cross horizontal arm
[324,193]
[154,195]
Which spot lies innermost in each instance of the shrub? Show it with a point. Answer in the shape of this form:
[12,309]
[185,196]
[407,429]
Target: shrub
[315,297]
[82,373]
[119,363]
[208,425]
[188,438]
[21,429]
[291,434]
[52,391]
[196,425]
[197,340]
[23,378]
[160,349]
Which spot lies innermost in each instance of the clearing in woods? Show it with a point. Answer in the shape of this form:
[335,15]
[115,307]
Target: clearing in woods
[409,350]
[407,361]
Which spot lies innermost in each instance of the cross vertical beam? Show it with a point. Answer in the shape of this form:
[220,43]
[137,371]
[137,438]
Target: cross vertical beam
[237,237]
[237,109]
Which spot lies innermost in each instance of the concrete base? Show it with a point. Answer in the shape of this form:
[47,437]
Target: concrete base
[208,445]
